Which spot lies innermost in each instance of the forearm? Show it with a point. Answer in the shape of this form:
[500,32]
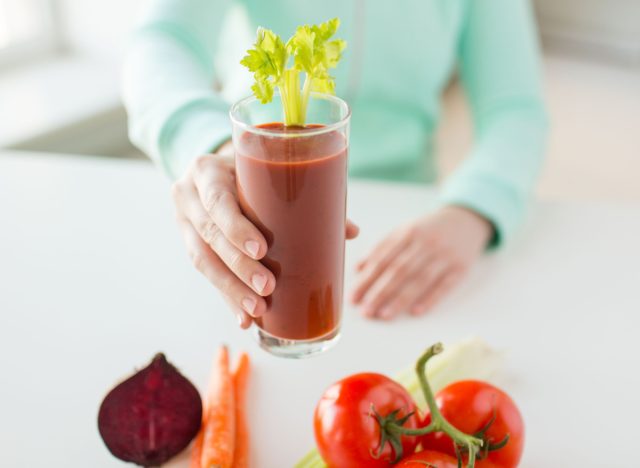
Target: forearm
[174,114]
[498,177]
[499,67]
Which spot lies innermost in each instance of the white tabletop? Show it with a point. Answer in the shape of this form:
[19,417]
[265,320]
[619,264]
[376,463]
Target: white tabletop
[94,280]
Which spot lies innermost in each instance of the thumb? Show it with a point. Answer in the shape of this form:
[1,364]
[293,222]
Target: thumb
[352,230]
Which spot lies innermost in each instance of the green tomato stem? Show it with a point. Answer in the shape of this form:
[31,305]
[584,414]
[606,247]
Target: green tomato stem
[438,422]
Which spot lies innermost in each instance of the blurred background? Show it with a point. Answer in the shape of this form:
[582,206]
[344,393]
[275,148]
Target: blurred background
[60,79]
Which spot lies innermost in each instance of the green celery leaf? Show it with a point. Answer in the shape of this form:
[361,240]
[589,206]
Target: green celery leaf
[333,52]
[301,46]
[266,60]
[327,29]
[324,85]
[313,53]
[263,90]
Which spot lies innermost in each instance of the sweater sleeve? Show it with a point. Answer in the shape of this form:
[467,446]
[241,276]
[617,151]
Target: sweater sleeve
[499,69]
[174,112]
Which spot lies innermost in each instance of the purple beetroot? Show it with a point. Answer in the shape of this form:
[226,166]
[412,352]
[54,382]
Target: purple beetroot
[151,416]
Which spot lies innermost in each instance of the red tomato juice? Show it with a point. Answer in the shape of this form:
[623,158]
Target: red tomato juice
[294,190]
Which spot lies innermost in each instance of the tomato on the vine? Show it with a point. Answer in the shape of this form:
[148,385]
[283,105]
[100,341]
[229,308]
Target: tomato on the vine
[346,430]
[433,459]
[428,458]
[480,409]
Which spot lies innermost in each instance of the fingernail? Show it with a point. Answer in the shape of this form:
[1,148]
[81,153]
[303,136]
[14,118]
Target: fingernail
[259,282]
[240,319]
[249,305]
[253,247]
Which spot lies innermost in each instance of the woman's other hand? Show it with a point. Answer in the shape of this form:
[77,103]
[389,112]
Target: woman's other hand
[416,265]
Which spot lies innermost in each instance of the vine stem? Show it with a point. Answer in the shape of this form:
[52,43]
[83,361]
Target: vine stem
[438,422]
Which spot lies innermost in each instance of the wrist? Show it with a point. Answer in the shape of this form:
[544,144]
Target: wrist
[475,221]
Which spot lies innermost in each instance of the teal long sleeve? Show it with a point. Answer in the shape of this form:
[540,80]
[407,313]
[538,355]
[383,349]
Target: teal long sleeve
[174,112]
[400,57]
[500,73]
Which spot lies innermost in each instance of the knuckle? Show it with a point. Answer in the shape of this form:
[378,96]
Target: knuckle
[219,162]
[224,172]
[210,232]
[216,234]
[202,162]
[235,260]
[214,200]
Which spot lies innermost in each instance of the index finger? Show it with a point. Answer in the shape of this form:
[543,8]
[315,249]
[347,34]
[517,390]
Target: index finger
[217,195]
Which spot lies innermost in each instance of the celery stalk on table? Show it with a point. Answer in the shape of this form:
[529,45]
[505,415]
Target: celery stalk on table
[469,359]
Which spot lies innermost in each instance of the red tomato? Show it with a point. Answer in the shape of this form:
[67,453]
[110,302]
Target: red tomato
[346,432]
[428,458]
[432,459]
[470,405]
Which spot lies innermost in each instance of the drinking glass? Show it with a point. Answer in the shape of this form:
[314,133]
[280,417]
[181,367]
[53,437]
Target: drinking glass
[292,184]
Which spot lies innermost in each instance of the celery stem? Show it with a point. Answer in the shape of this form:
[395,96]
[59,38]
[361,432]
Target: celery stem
[306,90]
[292,100]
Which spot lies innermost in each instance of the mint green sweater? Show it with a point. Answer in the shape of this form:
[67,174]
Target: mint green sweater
[399,58]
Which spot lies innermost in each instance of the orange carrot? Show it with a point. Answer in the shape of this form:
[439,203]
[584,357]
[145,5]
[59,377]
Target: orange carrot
[196,450]
[240,381]
[219,430]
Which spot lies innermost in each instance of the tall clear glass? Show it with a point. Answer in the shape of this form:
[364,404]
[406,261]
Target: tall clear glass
[292,184]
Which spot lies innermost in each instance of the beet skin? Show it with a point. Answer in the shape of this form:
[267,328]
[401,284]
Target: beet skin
[151,416]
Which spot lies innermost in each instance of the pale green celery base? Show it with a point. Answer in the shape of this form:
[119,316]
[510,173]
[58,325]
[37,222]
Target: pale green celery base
[468,359]
[294,100]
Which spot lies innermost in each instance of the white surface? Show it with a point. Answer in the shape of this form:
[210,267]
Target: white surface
[94,281]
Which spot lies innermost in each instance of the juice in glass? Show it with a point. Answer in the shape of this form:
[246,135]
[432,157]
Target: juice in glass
[292,184]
